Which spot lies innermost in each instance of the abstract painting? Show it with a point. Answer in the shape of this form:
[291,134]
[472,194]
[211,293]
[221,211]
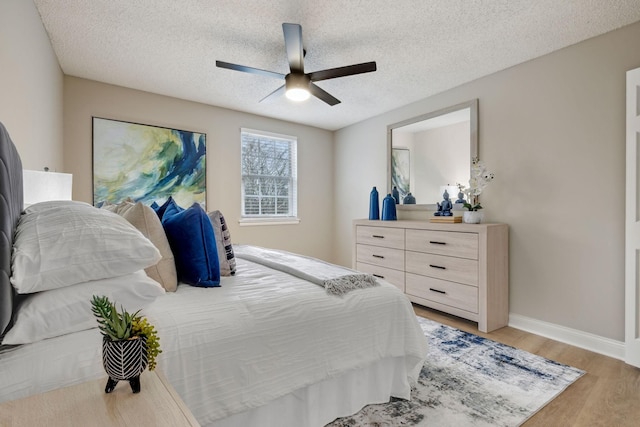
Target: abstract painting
[400,164]
[147,164]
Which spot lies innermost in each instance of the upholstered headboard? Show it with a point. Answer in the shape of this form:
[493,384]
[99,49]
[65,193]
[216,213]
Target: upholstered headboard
[10,209]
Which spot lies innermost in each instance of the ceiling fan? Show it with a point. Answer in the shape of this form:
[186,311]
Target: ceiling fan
[299,85]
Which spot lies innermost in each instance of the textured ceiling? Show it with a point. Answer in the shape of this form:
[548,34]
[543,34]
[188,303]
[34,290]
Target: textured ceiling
[421,47]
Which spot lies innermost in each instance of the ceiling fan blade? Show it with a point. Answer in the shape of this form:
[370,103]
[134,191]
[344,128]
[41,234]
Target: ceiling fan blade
[349,70]
[251,70]
[323,95]
[278,92]
[293,45]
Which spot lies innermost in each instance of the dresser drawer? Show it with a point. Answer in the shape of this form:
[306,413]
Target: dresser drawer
[395,277]
[380,236]
[377,255]
[462,245]
[463,297]
[459,270]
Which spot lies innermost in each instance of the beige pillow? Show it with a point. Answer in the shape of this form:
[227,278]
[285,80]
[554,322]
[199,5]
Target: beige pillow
[147,222]
[114,208]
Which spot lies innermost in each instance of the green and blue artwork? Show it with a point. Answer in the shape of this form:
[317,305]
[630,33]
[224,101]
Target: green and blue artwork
[147,164]
[400,166]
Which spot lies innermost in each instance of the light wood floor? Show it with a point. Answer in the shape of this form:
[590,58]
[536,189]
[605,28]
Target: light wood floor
[608,395]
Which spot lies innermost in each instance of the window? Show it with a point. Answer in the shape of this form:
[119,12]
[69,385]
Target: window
[269,176]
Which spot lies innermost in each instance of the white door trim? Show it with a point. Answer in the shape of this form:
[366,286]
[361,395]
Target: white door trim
[632,221]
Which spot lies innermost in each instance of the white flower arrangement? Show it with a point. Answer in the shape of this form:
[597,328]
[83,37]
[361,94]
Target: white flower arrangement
[479,179]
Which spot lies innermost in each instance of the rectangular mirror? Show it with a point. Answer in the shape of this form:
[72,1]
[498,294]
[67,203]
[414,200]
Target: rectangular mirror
[432,152]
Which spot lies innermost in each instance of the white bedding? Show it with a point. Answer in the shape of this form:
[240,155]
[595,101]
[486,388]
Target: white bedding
[259,337]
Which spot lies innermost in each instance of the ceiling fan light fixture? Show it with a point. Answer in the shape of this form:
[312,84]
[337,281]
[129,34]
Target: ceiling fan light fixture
[297,87]
[297,94]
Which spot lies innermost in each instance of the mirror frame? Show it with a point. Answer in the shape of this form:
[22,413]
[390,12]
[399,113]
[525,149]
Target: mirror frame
[473,142]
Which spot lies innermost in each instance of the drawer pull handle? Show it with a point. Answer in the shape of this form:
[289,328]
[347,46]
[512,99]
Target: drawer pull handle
[437,266]
[378,256]
[438,291]
[377,236]
[378,276]
[433,242]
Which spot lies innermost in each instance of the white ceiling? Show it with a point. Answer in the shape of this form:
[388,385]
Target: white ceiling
[421,47]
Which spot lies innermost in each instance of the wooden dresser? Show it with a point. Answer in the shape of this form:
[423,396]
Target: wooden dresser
[461,269]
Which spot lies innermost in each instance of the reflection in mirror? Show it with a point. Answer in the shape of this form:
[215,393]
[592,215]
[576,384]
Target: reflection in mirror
[432,152]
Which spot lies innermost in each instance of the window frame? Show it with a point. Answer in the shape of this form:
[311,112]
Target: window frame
[291,217]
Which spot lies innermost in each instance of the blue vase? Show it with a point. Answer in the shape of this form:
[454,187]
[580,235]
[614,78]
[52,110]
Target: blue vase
[389,208]
[396,194]
[409,199]
[374,205]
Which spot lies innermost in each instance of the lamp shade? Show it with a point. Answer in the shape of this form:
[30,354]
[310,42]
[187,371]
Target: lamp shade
[42,186]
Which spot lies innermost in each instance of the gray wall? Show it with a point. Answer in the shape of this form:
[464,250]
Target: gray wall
[312,236]
[30,86]
[553,131]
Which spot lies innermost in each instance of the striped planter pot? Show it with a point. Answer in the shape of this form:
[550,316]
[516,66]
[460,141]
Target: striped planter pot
[124,361]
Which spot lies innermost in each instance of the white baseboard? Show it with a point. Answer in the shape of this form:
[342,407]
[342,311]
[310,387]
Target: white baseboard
[585,340]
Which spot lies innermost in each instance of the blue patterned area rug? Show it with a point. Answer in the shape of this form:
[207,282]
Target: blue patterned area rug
[468,380]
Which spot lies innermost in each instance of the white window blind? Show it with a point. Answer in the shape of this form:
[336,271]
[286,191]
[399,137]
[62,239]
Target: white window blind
[269,175]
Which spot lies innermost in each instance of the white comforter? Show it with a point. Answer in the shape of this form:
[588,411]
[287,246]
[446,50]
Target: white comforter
[261,335]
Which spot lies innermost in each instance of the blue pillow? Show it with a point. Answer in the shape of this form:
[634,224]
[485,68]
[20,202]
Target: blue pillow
[193,243]
[161,209]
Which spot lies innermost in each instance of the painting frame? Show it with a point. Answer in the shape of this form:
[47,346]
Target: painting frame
[401,170]
[147,163]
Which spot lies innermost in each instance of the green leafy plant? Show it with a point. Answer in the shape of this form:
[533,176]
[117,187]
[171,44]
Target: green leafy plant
[121,325]
[142,327]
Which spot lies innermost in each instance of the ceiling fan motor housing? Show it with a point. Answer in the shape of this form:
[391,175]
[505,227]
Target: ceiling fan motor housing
[297,86]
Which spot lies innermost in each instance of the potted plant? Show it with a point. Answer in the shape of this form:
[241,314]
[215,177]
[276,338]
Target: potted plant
[129,343]
[479,178]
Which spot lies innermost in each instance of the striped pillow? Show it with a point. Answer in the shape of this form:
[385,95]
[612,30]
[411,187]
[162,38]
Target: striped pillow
[223,243]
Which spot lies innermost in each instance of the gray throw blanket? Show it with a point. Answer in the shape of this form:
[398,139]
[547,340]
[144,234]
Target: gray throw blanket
[335,279]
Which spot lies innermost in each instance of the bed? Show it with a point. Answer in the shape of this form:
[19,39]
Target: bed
[267,347]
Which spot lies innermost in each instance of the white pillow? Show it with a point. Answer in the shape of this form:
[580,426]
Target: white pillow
[52,204]
[63,311]
[65,244]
